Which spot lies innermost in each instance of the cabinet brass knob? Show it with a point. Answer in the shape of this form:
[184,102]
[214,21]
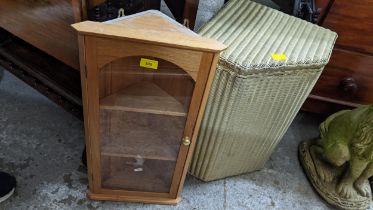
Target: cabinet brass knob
[186,141]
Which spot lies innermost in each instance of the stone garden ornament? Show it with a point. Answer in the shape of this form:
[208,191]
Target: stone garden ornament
[341,161]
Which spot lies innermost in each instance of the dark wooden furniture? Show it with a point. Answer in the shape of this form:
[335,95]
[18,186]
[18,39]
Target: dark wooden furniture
[38,45]
[51,77]
[348,79]
[45,24]
[104,10]
[184,11]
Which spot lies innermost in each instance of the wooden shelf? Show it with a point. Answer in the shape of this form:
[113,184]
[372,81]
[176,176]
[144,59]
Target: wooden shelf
[145,135]
[145,97]
[114,151]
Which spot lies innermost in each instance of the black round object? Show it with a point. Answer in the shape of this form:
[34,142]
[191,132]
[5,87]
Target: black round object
[7,184]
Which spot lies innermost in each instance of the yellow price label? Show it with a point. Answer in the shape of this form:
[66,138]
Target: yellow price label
[279,57]
[147,63]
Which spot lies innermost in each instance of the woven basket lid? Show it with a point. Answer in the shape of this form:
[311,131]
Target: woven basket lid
[263,39]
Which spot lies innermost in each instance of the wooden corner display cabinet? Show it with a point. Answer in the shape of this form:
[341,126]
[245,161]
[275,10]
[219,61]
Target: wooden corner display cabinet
[145,81]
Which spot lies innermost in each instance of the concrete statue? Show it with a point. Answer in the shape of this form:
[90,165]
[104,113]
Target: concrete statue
[339,163]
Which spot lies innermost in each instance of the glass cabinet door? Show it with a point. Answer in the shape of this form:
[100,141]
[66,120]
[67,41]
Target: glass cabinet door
[144,102]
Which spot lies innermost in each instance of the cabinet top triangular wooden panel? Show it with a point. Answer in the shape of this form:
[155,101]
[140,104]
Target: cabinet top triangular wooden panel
[150,27]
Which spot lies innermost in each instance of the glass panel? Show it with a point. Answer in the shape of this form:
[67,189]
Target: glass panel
[142,117]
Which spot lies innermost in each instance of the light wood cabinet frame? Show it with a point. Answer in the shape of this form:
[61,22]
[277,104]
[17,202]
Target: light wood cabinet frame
[101,44]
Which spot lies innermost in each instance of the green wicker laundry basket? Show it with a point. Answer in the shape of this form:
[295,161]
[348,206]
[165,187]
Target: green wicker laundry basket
[272,62]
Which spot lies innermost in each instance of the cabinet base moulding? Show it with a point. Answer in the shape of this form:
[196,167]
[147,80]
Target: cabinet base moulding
[133,199]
